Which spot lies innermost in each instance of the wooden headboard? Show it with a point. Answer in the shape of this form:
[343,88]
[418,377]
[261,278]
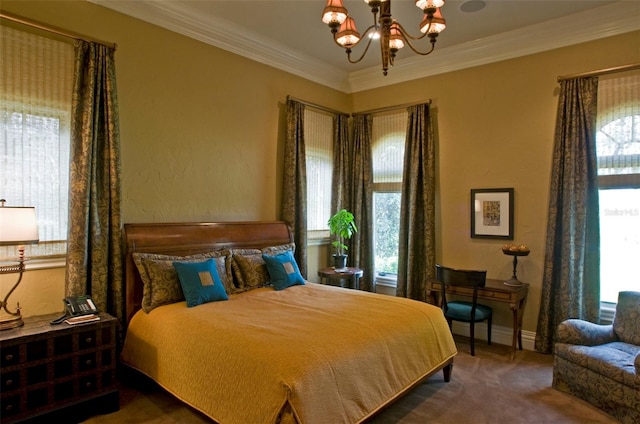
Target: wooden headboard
[189,238]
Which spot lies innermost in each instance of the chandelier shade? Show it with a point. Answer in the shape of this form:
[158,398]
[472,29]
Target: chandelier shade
[429,4]
[348,34]
[391,33]
[435,25]
[334,13]
[395,37]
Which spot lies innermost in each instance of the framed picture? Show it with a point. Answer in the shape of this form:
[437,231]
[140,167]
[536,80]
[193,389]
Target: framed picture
[492,213]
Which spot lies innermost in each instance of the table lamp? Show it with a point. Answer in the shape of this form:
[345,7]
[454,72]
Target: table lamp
[18,226]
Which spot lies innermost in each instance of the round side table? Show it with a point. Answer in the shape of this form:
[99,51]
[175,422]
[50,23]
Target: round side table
[354,274]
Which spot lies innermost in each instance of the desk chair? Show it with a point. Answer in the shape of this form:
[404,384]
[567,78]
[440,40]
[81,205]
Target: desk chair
[470,312]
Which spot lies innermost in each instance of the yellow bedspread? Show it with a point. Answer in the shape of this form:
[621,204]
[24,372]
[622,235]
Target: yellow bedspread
[322,353]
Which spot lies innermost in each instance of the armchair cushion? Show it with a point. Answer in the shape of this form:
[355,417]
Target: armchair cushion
[626,323]
[578,332]
[613,360]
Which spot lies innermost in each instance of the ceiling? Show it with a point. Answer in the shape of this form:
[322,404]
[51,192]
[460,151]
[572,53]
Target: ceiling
[290,35]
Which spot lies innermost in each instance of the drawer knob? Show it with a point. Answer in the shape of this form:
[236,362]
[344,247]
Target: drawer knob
[9,357]
[88,385]
[88,362]
[88,340]
[8,383]
[8,408]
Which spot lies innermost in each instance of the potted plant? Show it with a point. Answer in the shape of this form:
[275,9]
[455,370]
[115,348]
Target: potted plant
[341,225]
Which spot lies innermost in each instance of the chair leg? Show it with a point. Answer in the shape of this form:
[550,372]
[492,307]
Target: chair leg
[473,336]
[489,330]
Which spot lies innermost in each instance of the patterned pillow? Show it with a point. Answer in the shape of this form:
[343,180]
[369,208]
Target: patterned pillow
[161,284]
[248,267]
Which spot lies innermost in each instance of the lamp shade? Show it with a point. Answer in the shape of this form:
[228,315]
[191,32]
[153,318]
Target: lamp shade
[348,35]
[334,13]
[18,225]
[436,25]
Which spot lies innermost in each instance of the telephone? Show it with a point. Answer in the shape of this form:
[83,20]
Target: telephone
[82,305]
[76,306]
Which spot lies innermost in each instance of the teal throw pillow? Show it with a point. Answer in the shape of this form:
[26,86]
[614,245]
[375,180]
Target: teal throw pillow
[283,270]
[200,282]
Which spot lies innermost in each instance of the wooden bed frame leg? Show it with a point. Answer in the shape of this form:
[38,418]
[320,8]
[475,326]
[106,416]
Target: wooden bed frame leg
[447,372]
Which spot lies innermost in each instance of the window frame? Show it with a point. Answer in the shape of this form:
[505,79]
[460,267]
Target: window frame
[386,186]
[384,278]
[617,102]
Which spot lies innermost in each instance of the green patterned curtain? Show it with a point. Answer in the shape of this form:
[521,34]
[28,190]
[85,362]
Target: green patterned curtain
[339,195]
[416,260]
[571,275]
[294,182]
[360,201]
[94,254]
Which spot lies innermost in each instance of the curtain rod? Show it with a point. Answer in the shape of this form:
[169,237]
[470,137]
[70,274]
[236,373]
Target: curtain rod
[316,106]
[390,108]
[601,72]
[54,30]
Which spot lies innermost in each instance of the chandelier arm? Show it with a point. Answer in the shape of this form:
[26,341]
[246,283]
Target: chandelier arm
[433,46]
[407,36]
[364,52]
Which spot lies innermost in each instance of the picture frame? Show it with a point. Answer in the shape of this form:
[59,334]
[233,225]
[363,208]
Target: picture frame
[492,213]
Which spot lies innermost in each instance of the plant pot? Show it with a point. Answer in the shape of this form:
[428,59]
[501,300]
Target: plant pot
[339,261]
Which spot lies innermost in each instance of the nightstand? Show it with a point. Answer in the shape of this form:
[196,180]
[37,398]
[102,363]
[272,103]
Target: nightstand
[58,373]
[349,273]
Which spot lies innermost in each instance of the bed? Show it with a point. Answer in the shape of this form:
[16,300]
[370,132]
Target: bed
[307,353]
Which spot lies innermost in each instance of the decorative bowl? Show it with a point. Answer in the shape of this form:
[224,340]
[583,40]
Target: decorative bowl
[516,252]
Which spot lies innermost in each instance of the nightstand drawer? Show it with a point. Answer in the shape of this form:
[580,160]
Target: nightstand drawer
[87,361]
[10,406]
[87,339]
[10,380]
[10,356]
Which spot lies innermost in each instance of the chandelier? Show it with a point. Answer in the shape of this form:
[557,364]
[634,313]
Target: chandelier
[392,35]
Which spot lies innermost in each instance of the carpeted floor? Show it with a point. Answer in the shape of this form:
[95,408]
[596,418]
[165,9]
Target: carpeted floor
[486,388]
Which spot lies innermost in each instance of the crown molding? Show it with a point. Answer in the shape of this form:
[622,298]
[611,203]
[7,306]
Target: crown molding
[223,34]
[604,21]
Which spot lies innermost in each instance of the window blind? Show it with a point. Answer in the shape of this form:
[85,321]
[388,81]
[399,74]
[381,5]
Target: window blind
[388,135]
[318,137]
[618,123]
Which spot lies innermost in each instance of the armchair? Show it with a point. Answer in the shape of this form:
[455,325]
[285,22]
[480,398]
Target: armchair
[601,363]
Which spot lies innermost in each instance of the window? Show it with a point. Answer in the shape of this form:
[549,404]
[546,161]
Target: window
[36,77]
[388,135]
[318,135]
[618,151]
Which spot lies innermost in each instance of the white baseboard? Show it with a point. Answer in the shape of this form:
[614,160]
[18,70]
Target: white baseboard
[500,335]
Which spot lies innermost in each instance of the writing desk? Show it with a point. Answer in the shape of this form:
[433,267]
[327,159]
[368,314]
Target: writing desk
[497,291]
